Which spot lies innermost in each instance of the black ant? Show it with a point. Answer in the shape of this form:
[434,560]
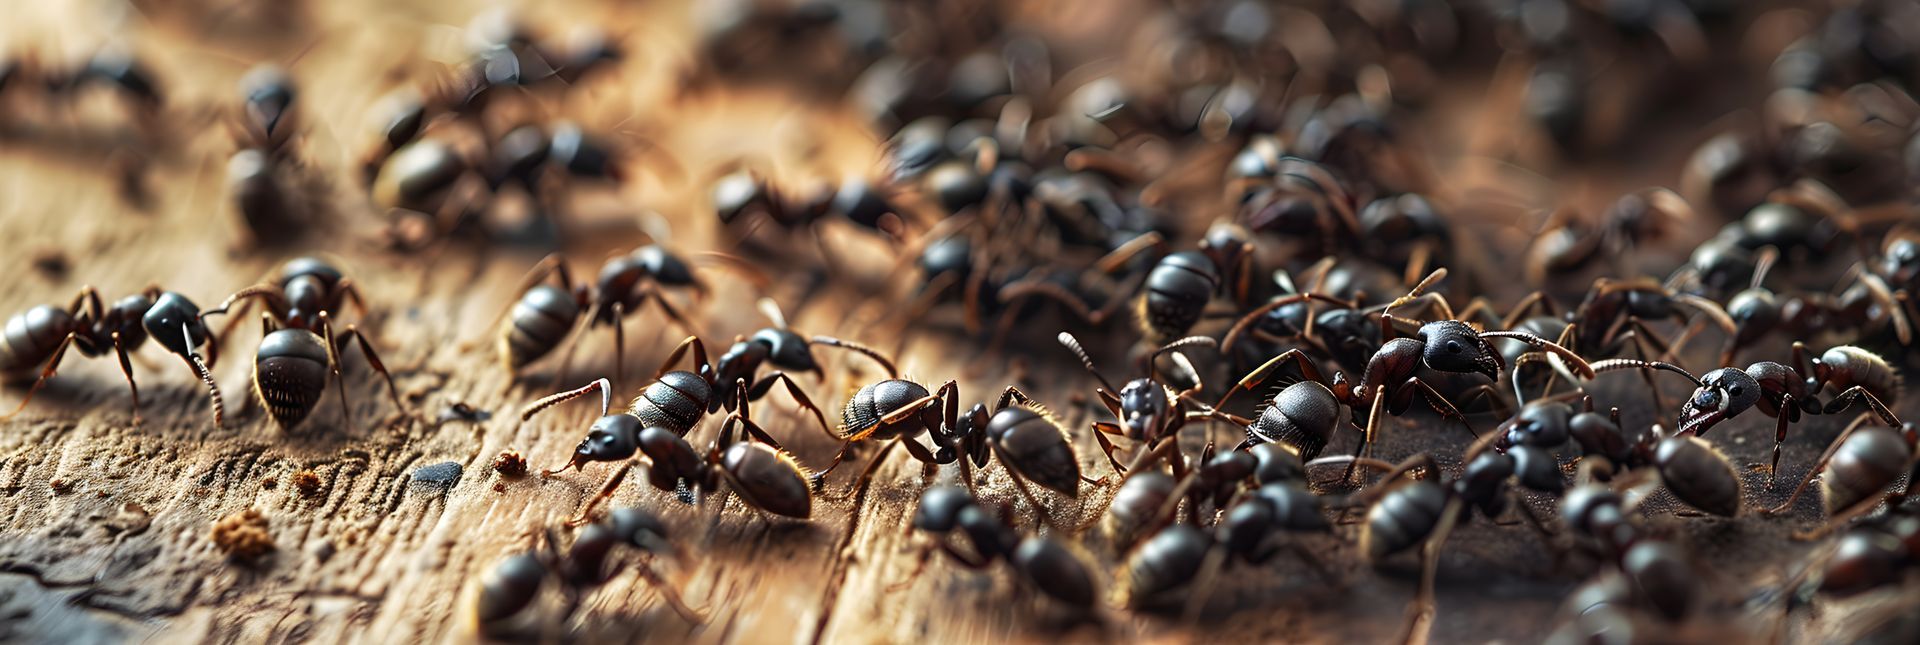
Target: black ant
[1646,573]
[546,315]
[1044,563]
[1424,512]
[1782,391]
[1860,463]
[513,586]
[762,472]
[1147,410]
[1025,437]
[299,348]
[42,335]
[1757,311]
[1305,414]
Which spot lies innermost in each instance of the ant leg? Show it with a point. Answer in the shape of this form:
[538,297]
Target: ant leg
[754,430]
[1203,583]
[1526,306]
[671,312]
[1801,364]
[619,343]
[1420,613]
[1820,465]
[1856,392]
[1259,374]
[922,555]
[1646,374]
[673,357]
[866,475]
[1162,451]
[333,364]
[862,349]
[1780,419]
[1026,492]
[373,360]
[1010,395]
[1366,439]
[1440,403]
[1100,431]
[1108,399]
[1039,287]
[766,384]
[53,365]
[606,492]
[350,294]
[1240,326]
[670,594]
[126,368]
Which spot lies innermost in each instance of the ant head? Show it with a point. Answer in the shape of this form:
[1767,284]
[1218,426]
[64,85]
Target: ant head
[1723,394]
[165,319]
[612,438]
[1452,346]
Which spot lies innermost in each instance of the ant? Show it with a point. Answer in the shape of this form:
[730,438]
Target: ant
[1783,391]
[1860,463]
[1757,311]
[42,335]
[1305,414]
[299,349]
[1646,572]
[545,315]
[1565,245]
[763,473]
[257,178]
[1146,408]
[1025,437]
[1042,562]
[513,585]
[1182,560]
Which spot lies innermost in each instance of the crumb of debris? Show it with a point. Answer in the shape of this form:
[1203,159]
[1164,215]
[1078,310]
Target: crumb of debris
[60,484]
[307,482]
[270,483]
[51,263]
[510,463]
[499,487]
[243,535]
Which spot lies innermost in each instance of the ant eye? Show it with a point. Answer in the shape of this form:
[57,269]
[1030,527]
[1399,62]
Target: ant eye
[1735,391]
[1453,347]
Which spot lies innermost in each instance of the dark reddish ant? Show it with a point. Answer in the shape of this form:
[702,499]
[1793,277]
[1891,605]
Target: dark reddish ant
[1147,410]
[763,473]
[512,587]
[1305,414]
[1044,563]
[41,336]
[299,349]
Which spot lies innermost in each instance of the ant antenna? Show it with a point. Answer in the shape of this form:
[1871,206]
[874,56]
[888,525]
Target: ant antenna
[1074,344]
[606,396]
[1153,370]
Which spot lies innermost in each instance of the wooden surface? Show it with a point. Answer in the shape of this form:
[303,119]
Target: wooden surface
[118,549]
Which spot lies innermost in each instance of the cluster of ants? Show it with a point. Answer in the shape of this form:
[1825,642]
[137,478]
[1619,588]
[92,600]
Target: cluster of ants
[1021,194]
